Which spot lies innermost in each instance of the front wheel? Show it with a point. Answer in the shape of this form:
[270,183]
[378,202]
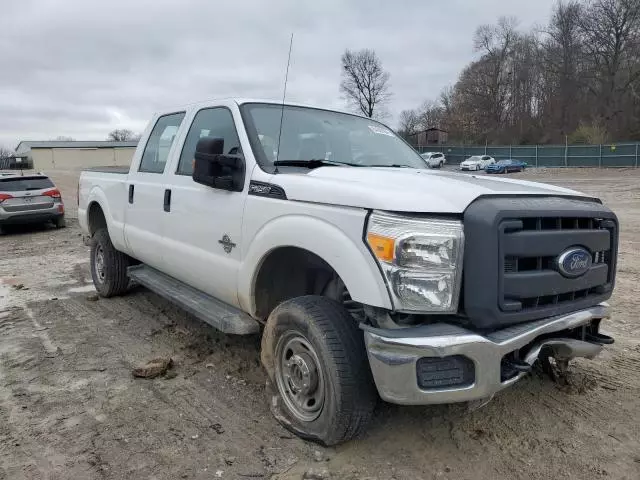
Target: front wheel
[319,383]
[108,266]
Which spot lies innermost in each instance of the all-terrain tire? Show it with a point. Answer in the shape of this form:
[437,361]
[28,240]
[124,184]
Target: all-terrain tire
[349,395]
[110,273]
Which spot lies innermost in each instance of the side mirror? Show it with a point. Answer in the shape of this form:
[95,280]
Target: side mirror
[214,169]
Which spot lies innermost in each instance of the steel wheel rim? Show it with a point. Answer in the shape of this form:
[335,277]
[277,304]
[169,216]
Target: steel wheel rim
[299,376]
[99,264]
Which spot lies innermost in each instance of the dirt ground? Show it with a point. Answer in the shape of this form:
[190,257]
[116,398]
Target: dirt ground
[70,408]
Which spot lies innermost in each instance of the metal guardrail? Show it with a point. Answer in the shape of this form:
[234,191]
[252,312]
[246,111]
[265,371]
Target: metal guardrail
[605,155]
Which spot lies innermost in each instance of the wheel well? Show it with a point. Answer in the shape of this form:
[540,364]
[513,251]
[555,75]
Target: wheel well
[95,218]
[290,272]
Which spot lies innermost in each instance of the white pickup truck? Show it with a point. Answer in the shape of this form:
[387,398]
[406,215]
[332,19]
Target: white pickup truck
[367,274]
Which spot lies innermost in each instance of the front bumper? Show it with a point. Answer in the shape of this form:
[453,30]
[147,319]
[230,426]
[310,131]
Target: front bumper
[394,355]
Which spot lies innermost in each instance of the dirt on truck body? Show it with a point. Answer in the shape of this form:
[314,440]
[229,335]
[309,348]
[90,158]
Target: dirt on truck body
[71,408]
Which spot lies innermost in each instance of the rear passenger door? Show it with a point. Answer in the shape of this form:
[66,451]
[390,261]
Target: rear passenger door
[146,192]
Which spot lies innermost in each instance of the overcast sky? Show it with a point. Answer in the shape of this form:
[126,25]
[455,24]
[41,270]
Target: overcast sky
[73,68]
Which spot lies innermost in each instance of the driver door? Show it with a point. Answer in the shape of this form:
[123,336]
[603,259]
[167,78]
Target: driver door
[202,230]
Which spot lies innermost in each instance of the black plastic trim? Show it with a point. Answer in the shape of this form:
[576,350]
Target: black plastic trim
[436,373]
[167,200]
[492,228]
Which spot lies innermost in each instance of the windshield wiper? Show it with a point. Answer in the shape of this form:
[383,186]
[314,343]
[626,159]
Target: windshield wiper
[395,165]
[313,163]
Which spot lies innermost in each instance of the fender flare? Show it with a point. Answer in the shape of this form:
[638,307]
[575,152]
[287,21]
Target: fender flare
[353,262]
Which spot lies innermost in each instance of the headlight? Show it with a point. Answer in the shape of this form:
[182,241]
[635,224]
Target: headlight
[421,258]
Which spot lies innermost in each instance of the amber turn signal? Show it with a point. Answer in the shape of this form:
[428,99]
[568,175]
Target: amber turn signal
[382,246]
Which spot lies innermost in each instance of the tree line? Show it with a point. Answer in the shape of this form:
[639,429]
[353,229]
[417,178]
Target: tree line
[575,79]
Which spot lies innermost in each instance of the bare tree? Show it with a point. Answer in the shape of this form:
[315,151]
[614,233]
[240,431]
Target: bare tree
[5,152]
[431,114]
[122,135]
[562,54]
[579,76]
[365,83]
[611,31]
[409,123]
[493,87]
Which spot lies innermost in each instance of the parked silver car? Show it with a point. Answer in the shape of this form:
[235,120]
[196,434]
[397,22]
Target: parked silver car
[30,199]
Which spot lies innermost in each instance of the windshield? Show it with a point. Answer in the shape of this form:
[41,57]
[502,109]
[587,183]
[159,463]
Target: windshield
[313,134]
[504,162]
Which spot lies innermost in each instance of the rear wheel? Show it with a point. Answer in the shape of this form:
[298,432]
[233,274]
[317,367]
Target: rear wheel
[60,222]
[108,266]
[319,384]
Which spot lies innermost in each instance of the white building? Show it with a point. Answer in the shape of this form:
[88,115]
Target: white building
[74,155]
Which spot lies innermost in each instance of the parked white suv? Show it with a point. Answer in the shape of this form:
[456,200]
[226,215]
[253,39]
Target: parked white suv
[477,162]
[366,273]
[434,159]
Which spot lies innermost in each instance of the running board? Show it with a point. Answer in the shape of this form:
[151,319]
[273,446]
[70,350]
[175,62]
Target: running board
[218,314]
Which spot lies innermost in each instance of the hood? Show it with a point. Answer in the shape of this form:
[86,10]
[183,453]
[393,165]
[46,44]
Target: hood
[471,161]
[403,189]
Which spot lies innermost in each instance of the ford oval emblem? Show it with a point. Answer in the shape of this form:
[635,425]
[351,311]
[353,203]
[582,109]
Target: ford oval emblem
[574,262]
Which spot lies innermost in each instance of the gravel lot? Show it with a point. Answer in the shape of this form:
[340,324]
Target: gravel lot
[70,408]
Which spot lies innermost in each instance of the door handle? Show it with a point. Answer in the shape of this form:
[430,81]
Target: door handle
[131,193]
[167,200]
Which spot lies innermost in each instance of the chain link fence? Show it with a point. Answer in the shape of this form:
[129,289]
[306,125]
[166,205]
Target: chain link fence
[606,155]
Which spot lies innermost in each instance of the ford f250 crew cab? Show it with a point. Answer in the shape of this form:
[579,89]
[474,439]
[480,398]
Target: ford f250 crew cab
[368,274]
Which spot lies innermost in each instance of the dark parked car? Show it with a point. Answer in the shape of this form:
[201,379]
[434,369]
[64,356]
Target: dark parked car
[506,166]
[30,199]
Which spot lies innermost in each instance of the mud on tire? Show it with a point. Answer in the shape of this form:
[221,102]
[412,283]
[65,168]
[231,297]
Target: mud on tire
[108,266]
[327,395]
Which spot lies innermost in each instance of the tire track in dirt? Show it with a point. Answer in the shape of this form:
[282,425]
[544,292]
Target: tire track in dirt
[232,408]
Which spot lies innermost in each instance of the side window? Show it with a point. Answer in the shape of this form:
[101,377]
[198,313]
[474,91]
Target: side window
[210,122]
[154,157]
